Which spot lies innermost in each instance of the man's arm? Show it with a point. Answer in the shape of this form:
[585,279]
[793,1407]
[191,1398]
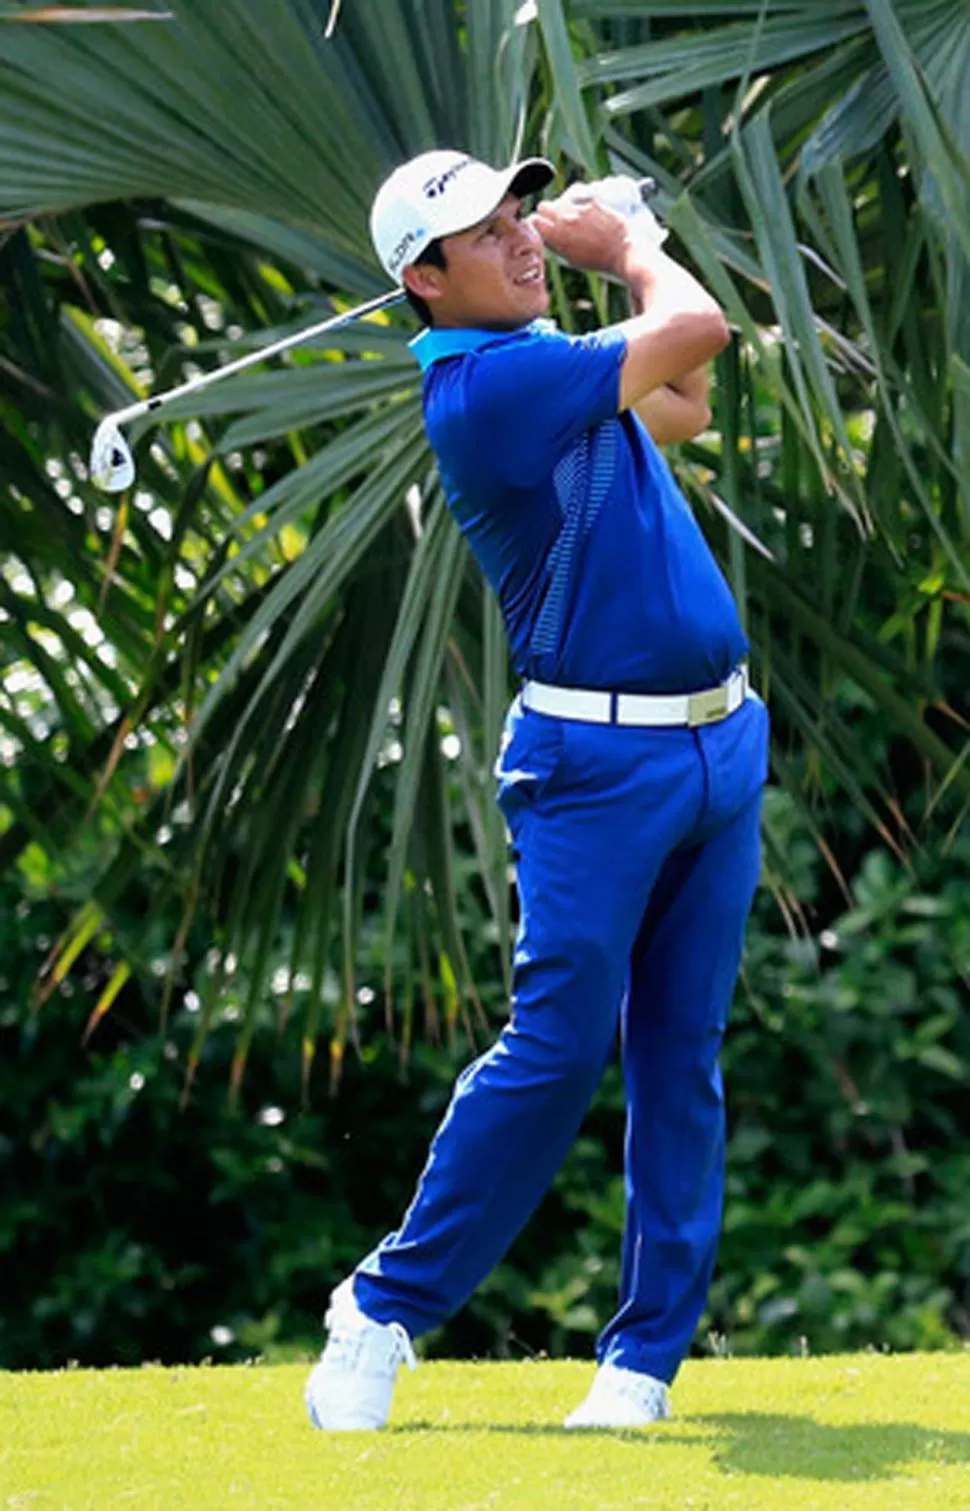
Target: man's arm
[678,326]
[679,411]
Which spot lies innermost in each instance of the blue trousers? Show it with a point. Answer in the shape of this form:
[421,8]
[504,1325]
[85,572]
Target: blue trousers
[638,860]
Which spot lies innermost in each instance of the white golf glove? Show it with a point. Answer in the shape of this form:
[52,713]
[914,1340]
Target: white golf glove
[622,193]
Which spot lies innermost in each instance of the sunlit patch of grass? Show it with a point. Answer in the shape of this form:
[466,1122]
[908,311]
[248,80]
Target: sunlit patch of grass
[844,1433]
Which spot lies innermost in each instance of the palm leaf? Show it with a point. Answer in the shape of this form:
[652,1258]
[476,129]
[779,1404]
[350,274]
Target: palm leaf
[264,598]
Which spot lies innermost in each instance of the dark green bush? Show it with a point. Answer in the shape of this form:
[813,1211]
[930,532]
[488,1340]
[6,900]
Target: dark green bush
[132,1229]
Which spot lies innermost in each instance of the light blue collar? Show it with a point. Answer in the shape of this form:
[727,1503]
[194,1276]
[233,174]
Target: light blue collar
[434,345]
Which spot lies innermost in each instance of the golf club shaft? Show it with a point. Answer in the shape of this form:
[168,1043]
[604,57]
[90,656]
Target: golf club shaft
[148,406]
[647,187]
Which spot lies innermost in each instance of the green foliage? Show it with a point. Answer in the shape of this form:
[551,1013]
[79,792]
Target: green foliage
[284,575]
[849,1065]
[133,1226]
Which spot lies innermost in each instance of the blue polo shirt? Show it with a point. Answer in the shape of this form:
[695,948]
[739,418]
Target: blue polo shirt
[603,575]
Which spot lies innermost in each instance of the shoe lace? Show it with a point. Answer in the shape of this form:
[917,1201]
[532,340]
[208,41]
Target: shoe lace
[643,1390]
[405,1346]
[349,1336]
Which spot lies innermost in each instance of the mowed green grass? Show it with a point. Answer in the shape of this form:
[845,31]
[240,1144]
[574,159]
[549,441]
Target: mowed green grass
[883,1433]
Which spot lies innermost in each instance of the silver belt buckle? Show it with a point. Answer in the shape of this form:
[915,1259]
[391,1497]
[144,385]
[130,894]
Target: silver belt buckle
[707,707]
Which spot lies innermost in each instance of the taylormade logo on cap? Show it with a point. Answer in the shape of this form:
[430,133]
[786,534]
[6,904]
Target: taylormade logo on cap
[439,194]
[440,182]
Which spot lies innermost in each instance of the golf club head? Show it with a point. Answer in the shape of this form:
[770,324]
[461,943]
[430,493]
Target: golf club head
[112,465]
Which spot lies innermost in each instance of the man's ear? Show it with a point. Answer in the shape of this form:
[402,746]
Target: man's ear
[424,280]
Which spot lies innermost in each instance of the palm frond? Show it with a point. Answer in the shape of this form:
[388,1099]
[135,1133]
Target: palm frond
[236,690]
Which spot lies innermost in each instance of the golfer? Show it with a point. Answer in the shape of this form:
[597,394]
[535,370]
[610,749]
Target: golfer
[630,774]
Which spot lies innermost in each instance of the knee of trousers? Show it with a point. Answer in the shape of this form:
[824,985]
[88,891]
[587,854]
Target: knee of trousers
[565,1009]
[565,1067]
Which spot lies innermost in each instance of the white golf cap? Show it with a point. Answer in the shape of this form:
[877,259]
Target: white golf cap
[440,193]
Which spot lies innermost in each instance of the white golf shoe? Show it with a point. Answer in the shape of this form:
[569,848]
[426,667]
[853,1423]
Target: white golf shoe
[350,1389]
[621,1398]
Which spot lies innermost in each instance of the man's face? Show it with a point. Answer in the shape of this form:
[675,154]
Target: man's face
[496,274]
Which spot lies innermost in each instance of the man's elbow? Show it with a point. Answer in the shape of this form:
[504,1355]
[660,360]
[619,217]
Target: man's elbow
[717,330]
[693,423]
[702,335]
[673,425]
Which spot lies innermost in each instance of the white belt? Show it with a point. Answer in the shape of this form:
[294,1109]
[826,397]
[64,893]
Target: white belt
[661,709]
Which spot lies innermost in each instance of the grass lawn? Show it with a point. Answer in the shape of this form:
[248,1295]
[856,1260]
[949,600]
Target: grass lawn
[884,1433]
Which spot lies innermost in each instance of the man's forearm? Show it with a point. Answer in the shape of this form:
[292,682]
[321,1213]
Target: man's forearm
[669,301]
[658,278]
[656,281]
[680,409]
[693,387]
[679,325]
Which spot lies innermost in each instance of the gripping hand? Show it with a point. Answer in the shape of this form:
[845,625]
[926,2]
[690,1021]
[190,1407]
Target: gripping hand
[628,197]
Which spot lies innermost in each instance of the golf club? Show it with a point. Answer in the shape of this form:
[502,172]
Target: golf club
[112,465]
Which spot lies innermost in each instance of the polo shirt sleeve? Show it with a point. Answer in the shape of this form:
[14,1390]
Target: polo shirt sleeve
[528,400]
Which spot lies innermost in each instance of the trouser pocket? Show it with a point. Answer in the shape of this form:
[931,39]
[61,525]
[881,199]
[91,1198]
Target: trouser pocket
[530,757]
